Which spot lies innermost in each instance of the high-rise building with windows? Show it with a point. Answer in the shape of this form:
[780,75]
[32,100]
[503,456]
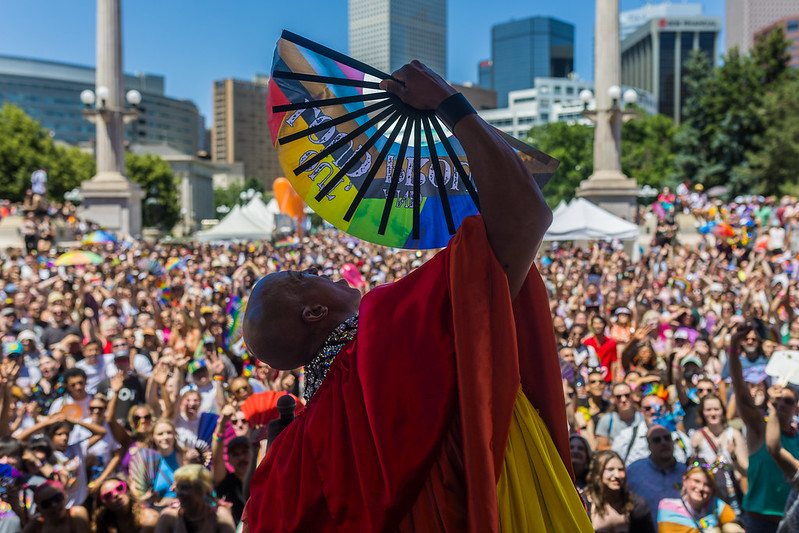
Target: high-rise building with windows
[241,132]
[386,34]
[745,17]
[49,92]
[523,50]
[790,27]
[631,19]
[654,55]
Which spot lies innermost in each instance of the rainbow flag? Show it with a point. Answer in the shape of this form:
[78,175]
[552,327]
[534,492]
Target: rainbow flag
[235,313]
[164,293]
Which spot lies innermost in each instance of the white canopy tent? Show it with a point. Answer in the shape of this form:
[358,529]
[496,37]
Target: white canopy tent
[582,220]
[248,223]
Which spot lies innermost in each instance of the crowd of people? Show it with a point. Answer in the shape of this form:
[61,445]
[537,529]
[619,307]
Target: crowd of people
[129,403]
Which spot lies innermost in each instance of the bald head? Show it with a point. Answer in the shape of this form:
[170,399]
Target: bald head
[290,314]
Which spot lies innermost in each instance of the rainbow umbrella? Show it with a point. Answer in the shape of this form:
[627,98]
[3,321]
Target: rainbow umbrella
[362,159]
[78,257]
[99,237]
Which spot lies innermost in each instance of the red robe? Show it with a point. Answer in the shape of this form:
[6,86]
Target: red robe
[435,365]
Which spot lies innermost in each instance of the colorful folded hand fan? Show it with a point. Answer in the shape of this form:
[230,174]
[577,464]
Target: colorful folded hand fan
[365,161]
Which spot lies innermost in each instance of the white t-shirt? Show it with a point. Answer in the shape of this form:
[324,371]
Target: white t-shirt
[94,373]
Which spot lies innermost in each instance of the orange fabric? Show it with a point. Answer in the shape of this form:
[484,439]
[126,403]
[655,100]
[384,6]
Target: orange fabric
[498,345]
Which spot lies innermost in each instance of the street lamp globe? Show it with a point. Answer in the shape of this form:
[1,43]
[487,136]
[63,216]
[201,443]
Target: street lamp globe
[614,92]
[103,92]
[586,96]
[87,97]
[630,96]
[133,97]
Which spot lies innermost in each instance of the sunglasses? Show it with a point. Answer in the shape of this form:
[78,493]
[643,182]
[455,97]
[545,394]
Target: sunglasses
[239,421]
[146,418]
[96,408]
[595,381]
[55,499]
[620,396]
[698,390]
[241,389]
[660,438]
[109,495]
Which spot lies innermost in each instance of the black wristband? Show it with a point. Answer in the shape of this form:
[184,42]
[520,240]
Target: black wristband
[453,109]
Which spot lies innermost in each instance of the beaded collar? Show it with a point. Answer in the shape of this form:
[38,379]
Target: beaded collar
[316,370]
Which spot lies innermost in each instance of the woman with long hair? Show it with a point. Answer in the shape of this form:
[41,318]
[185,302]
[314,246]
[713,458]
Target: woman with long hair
[612,507]
[716,443]
[581,460]
[697,509]
[195,510]
[117,511]
[151,476]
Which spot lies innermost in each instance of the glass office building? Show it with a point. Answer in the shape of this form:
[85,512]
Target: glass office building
[386,34]
[654,55]
[49,92]
[523,50]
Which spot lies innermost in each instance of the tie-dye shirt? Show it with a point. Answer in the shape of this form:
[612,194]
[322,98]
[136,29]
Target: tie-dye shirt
[674,516]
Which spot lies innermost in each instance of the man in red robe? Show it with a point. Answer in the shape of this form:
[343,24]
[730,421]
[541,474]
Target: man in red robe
[411,390]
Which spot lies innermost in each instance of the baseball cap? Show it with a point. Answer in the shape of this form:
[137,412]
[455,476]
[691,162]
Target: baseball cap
[691,359]
[12,348]
[716,287]
[196,365]
[7,311]
[27,335]
[681,334]
[109,301]
[10,288]
[123,352]
[238,442]
[755,374]
[148,331]
[623,311]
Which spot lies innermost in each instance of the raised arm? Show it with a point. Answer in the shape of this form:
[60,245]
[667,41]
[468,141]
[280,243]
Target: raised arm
[513,209]
[787,462]
[750,413]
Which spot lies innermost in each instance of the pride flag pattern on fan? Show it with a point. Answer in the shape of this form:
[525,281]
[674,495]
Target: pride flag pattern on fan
[364,222]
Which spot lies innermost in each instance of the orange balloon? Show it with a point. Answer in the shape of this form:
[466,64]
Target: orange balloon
[72,411]
[288,201]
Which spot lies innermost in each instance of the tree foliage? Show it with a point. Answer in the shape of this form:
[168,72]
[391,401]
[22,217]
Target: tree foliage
[573,146]
[230,195]
[160,205]
[24,148]
[647,149]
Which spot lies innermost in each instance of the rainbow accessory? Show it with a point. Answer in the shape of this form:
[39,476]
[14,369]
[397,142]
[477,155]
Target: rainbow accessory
[337,135]
[235,312]
[656,389]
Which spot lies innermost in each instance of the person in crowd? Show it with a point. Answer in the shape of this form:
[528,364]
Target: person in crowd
[229,484]
[60,326]
[632,443]
[622,416]
[659,475]
[611,505]
[117,511]
[581,460]
[697,508]
[716,443]
[194,513]
[125,388]
[764,501]
[52,512]
[75,382]
[788,463]
[93,365]
[606,349]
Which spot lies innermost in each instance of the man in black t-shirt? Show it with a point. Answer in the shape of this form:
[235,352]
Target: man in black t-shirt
[231,487]
[60,327]
[126,384]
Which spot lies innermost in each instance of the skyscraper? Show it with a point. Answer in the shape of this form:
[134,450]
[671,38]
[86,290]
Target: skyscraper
[522,50]
[386,34]
[630,20]
[653,57]
[745,17]
[240,132]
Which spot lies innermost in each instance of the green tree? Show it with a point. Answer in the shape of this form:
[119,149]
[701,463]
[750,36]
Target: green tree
[160,206]
[772,163]
[689,143]
[770,54]
[573,146]
[229,196]
[24,147]
[67,169]
[647,149]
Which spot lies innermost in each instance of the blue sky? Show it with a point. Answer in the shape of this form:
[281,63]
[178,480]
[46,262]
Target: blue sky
[193,43]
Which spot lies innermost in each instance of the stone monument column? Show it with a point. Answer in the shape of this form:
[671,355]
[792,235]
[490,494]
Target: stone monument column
[608,187]
[109,198]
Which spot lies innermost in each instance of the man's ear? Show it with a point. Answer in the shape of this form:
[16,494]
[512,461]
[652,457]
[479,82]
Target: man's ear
[312,314]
